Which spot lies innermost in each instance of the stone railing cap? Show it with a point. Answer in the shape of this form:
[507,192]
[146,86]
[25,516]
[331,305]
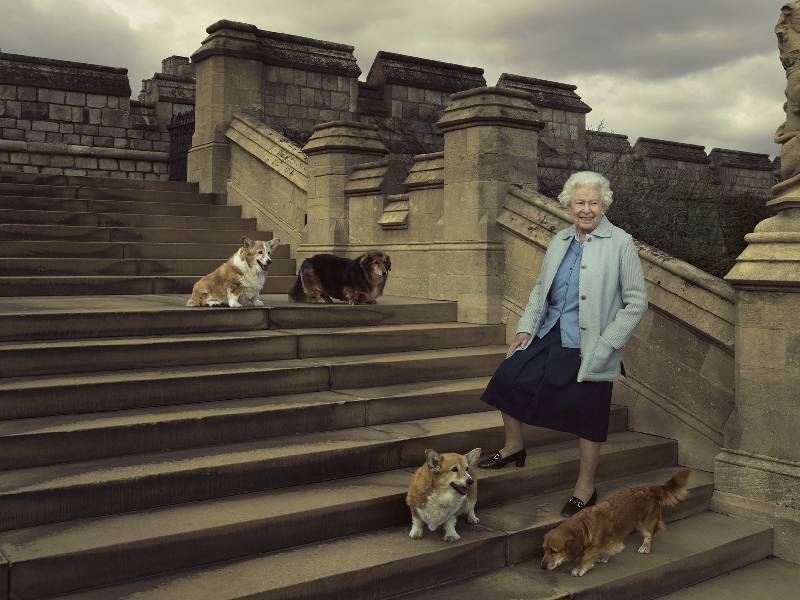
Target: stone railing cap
[400,69]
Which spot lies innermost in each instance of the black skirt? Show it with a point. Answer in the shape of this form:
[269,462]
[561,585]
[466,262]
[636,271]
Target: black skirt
[539,386]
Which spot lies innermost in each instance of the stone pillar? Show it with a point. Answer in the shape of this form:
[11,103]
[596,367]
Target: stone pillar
[333,150]
[490,142]
[757,474]
[227,82]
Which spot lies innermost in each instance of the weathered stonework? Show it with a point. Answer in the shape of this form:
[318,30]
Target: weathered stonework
[172,91]
[59,109]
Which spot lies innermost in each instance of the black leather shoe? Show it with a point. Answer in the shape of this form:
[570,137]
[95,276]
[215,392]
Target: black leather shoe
[575,505]
[496,461]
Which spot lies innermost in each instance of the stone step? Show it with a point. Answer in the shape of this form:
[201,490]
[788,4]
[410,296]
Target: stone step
[195,267]
[120,250]
[19,359]
[48,395]
[61,492]
[54,559]
[385,564]
[771,577]
[78,233]
[58,317]
[69,438]
[110,193]
[101,182]
[89,219]
[86,285]
[77,205]
[687,552]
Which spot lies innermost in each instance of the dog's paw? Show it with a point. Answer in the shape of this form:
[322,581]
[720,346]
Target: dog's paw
[258,302]
[603,559]
[577,572]
[473,519]
[644,549]
[451,537]
[415,533]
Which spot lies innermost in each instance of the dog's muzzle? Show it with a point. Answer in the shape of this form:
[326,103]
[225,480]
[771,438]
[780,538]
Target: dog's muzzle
[463,490]
[264,266]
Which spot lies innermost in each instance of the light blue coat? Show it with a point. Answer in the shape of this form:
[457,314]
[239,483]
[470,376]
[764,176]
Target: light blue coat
[612,294]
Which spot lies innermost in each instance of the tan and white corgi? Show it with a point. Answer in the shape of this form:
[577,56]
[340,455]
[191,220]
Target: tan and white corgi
[238,280]
[441,490]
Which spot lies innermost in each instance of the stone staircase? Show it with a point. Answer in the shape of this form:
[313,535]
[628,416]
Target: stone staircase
[148,450]
[63,235]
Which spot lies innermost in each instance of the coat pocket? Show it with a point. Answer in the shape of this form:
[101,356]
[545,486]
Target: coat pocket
[563,365]
[605,358]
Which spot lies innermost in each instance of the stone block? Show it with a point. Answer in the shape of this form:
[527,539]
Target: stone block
[135,175]
[13,109]
[86,162]
[78,114]
[135,134]
[62,160]
[339,101]
[285,75]
[96,100]
[114,117]
[8,92]
[330,82]
[152,135]
[51,171]
[75,98]
[71,138]
[19,158]
[35,136]
[314,80]
[307,96]
[141,145]
[45,126]
[160,167]
[154,177]
[121,142]
[397,109]
[87,140]
[435,97]
[112,131]
[104,141]
[84,129]
[292,94]
[29,169]
[297,112]
[6,122]
[54,137]
[35,110]
[298,77]
[3,157]
[41,160]
[108,163]
[60,112]
[161,146]
[144,166]
[7,168]
[66,128]
[280,110]
[97,173]
[75,172]
[52,96]
[127,165]
[95,116]
[26,93]
[113,102]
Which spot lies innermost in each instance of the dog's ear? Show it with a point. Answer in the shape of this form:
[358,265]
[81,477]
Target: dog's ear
[363,260]
[246,242]
[473,456]
[434,460]
[388,262]
[274,243]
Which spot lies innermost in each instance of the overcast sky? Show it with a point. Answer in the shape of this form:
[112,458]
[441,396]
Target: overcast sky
[699,71]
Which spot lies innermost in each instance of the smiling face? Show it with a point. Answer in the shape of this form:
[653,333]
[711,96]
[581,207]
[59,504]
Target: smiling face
[453,470]
[258,252]
[586,208]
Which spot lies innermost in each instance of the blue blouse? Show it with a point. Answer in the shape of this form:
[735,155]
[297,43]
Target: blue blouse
[562,299]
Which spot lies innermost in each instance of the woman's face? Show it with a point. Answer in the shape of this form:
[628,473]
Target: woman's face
[586,208]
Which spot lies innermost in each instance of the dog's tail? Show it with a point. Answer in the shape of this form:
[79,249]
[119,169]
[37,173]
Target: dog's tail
[197,297]
[297,293]
[674,490]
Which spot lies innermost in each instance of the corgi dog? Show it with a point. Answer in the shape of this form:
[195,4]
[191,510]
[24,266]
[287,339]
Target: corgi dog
[596,533]
[441,490]
[238,280]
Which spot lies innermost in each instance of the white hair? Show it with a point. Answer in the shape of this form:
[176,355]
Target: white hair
[582,178]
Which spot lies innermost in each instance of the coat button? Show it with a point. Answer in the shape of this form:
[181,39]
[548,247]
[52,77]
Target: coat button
[583,297]
[583,266]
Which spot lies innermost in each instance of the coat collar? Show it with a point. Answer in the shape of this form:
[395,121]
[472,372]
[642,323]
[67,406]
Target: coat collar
[603,229]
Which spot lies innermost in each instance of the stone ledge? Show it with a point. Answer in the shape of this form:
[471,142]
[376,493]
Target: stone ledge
[739,159]
[232,38]
[669,150]
[367,178]
[427,172]
[270,147]
[16,69]
[83,151]
[395,213]
[490,106]
[546,94]
[400,69]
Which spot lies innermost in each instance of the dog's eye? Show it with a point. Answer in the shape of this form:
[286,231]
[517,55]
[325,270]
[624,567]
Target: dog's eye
[454,469]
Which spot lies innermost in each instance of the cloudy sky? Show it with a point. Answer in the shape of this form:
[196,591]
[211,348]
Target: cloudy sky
[700,71]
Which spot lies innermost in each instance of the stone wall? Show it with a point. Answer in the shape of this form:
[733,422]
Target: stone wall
[67,118]
[172,91]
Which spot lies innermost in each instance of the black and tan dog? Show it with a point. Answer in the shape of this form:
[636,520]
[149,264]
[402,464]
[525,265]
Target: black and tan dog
[324,277]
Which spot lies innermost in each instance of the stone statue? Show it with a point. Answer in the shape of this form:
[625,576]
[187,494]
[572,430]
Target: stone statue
[788,32]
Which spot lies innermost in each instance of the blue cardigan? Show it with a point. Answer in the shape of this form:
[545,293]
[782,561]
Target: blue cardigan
[612,296]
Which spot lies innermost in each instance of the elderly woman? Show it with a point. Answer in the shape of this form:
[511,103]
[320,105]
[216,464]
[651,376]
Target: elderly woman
[560,368]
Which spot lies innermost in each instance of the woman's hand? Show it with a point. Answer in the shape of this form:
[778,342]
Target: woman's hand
[522,339]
